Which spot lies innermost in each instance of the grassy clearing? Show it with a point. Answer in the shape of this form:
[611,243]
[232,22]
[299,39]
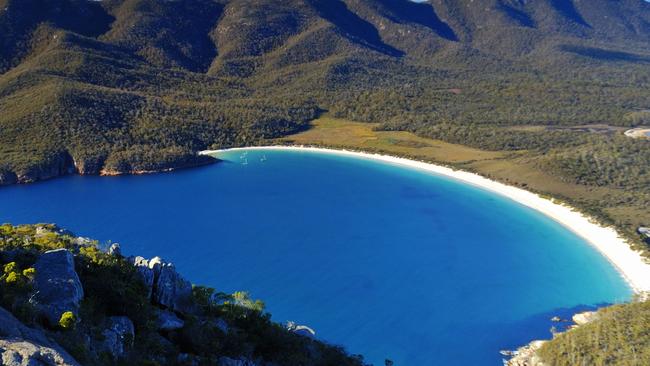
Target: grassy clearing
[327,131]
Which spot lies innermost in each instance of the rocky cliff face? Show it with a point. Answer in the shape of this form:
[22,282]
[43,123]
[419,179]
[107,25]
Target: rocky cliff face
[50,166]
[88,166]
[63,164]
[135,165]
[7,177]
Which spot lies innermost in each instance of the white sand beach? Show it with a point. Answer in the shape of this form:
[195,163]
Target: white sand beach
[632,266]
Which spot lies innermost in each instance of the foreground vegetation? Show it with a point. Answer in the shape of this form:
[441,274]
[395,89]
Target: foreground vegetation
[221,325]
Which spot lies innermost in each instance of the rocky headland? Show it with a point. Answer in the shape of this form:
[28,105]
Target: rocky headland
[528,355]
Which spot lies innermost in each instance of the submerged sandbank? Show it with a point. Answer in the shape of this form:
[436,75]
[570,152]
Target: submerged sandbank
[630,263]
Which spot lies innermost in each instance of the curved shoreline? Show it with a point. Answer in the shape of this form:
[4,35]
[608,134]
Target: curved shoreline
[629,263]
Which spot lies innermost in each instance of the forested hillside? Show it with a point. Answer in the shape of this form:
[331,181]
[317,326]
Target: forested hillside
[120,86]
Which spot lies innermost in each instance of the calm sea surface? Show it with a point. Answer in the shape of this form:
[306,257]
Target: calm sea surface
[388,261]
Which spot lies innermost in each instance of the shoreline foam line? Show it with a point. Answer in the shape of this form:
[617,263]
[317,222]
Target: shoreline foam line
[629,263]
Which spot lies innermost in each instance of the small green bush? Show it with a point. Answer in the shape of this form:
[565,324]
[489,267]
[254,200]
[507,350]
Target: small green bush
[30,273]
[12,277]
[68,320]
[10,267]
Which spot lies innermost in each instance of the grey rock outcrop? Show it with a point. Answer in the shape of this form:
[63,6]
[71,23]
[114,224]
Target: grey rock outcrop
[82,242]
[166,286]
[301,330]
[115,250]
[57,286]
[527,355]
[146,274]
[168,321]
[88,165]
[24,346]
[25,353]
[584,317]
[172,290]
[118,336]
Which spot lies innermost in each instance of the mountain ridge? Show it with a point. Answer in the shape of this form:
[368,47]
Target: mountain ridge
[106,80]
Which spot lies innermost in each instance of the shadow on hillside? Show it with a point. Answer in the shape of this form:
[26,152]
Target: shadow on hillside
[418,13]
[352,26]
[568,10]
[517,15]
[604,55]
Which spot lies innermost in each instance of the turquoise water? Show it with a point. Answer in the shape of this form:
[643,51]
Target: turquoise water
[388,261]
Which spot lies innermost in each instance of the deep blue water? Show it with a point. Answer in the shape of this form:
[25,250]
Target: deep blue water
[388,261]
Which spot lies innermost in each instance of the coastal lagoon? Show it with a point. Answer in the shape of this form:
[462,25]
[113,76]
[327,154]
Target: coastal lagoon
[389,261]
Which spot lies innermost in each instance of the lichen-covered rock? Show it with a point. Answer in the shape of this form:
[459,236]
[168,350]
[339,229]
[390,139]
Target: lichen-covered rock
[168,321]
[56,284]
[23,346]
[118,336]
